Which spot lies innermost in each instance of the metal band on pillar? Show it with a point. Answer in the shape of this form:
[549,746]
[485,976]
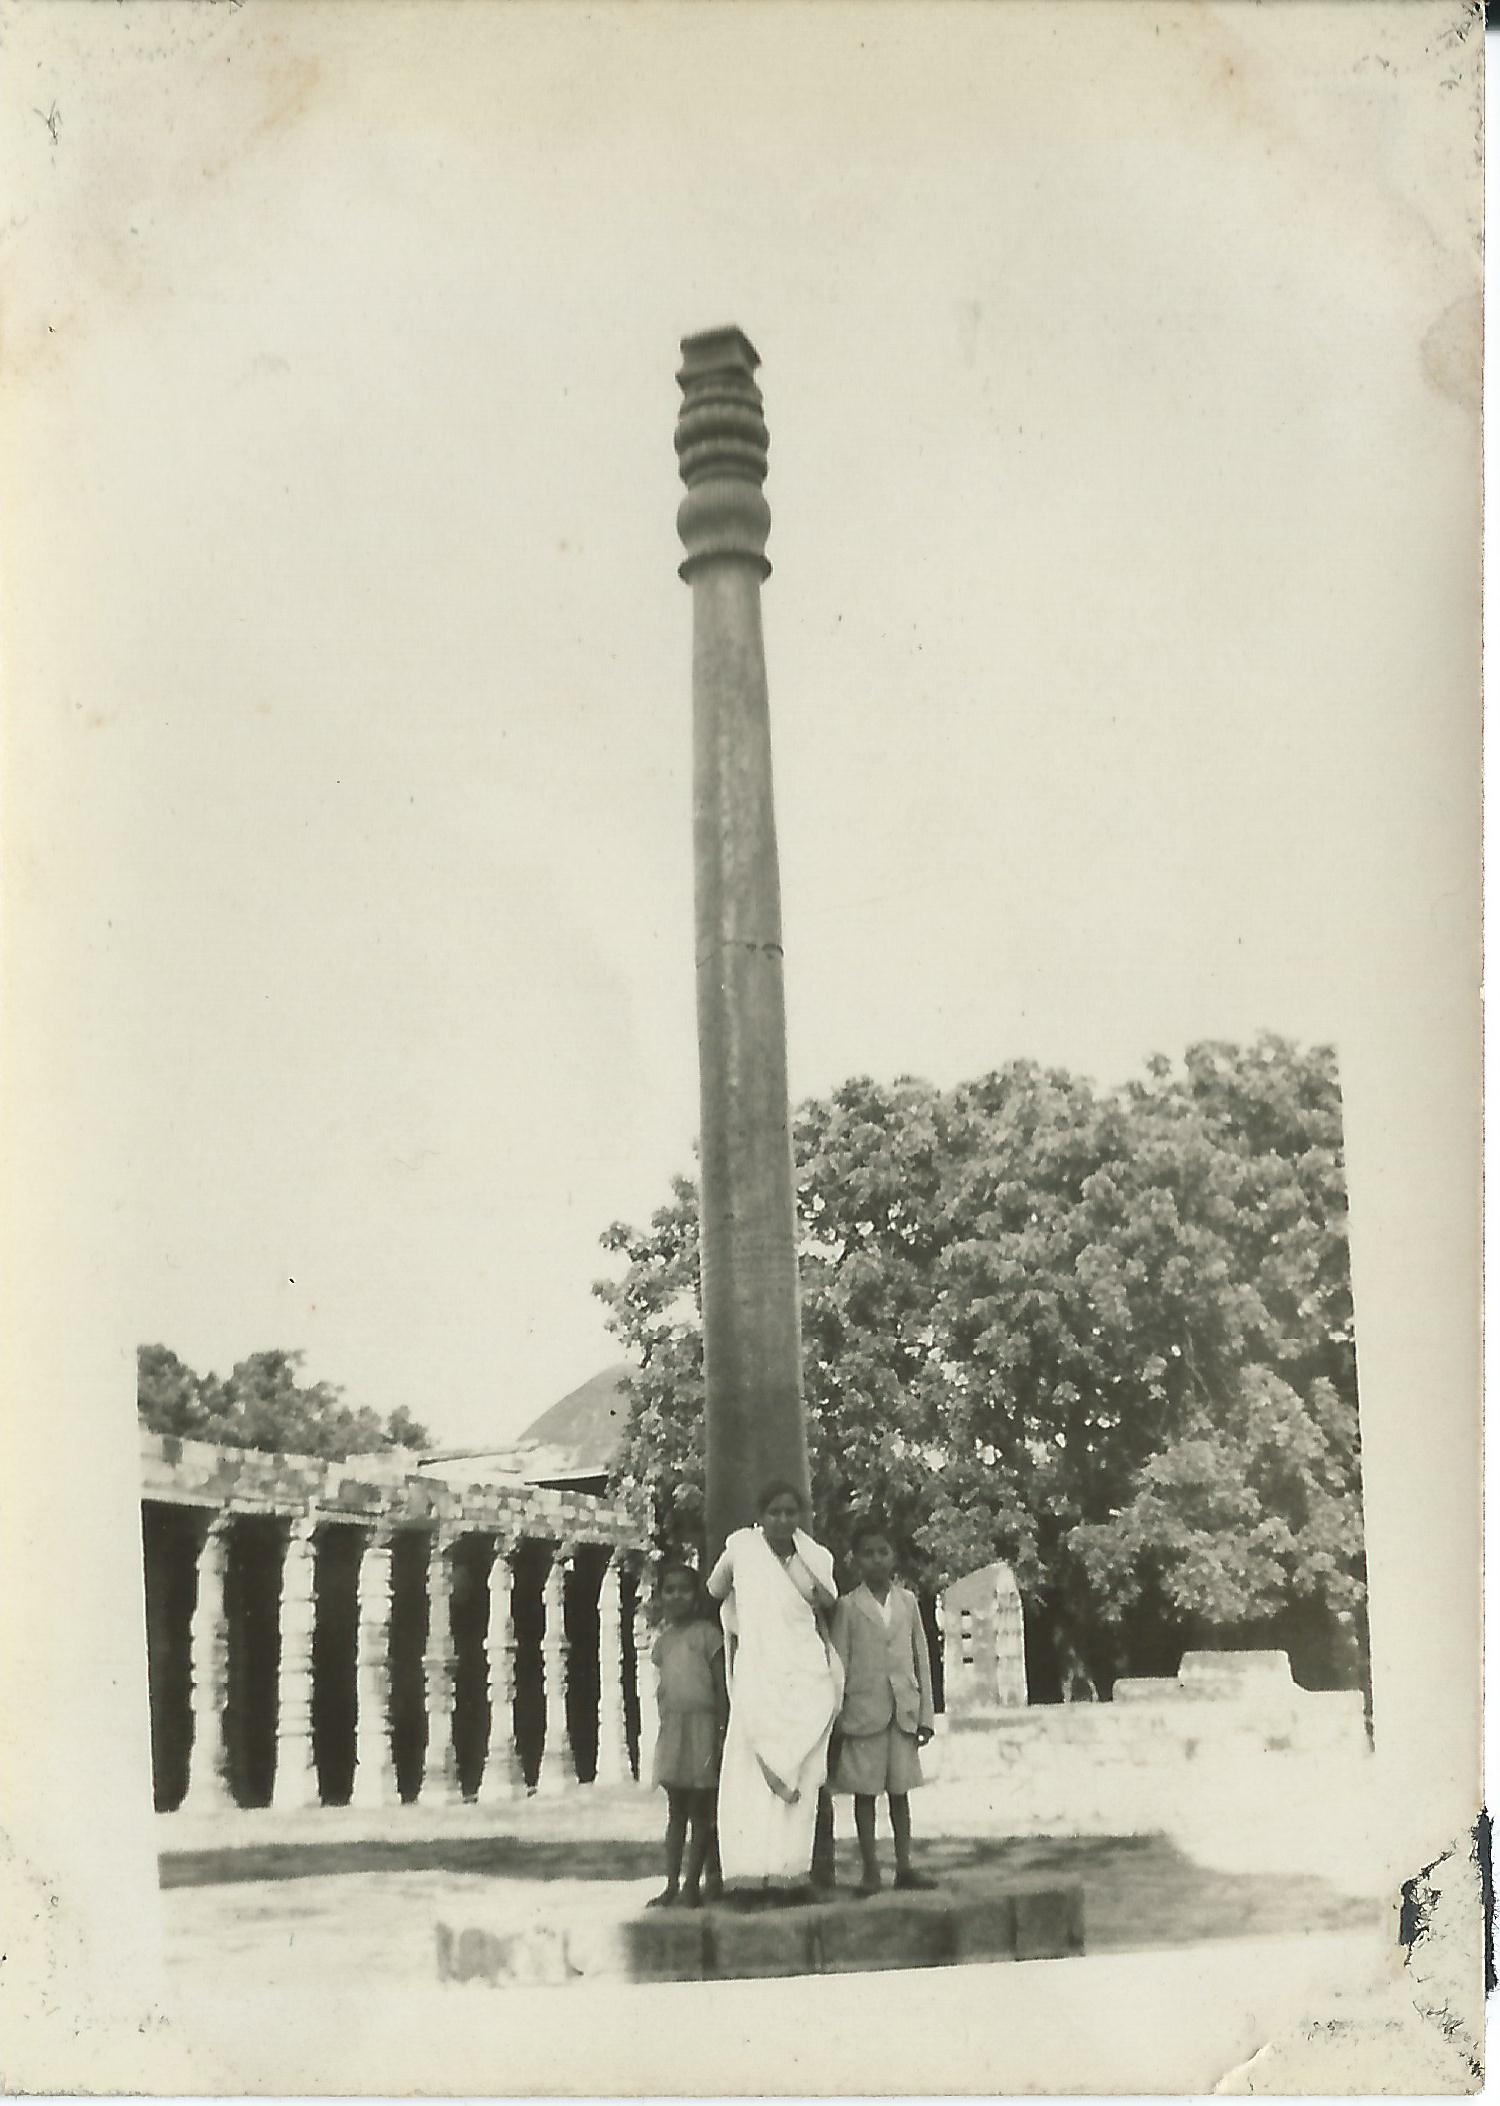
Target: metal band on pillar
[503,1777]
[374,1770]
[612,1764]
[208,1642]
[440,1779]
[558,1770]
[644,1639]
[753,1413]
[296,1761]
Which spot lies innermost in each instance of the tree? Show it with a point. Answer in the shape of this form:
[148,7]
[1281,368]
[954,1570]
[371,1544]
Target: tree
[1106,1336]
[262,1404]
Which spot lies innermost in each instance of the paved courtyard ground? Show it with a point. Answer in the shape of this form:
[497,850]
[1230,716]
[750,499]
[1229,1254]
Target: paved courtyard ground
[349,1900]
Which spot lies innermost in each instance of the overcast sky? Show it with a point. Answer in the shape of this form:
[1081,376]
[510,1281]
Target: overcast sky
[1097,418]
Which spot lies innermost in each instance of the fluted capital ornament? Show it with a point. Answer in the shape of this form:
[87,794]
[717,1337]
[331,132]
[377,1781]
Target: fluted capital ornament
[722,445]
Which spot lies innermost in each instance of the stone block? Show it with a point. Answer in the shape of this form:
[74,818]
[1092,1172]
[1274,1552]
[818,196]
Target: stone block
[668,1946]
[1049,1921]
[984,1927]
[470,1955]
[779,1941]
[864,1937]
[480,1956]
[527,1957]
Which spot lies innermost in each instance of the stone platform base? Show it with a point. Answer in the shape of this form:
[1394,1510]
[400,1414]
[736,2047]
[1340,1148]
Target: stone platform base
[841,1936]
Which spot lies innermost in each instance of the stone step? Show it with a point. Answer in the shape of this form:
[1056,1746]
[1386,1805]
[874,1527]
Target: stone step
[1018,1922]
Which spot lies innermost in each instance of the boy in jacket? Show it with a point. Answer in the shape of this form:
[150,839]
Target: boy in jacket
[887,1710]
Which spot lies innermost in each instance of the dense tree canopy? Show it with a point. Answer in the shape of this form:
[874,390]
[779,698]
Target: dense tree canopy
[1105,1335]
[262,1404]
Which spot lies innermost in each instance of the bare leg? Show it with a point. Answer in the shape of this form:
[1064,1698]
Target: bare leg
[702,1827]
[900,1806]
[864,1828]
[677,1825]
[906,1876]
[822,1857]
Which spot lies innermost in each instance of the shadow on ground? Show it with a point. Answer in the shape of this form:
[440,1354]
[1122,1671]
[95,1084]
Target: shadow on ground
[1139,1891]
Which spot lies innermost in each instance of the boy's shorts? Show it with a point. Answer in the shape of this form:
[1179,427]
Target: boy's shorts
[872,1765]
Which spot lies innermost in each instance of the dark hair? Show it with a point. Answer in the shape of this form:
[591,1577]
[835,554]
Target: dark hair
[869,1526]
[669,1568]
[775,1489]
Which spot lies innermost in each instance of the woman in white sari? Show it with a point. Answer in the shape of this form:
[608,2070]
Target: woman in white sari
[785,1688]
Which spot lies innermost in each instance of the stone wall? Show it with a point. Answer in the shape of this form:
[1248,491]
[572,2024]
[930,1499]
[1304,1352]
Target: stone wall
[1130,1766]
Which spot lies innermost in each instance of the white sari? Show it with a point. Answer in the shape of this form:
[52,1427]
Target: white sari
[785,1688]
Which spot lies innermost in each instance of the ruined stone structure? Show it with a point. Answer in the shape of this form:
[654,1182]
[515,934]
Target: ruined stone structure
[325,1634]
[984,1644]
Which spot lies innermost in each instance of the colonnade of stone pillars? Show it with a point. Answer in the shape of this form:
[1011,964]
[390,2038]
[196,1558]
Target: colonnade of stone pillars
[432,1677]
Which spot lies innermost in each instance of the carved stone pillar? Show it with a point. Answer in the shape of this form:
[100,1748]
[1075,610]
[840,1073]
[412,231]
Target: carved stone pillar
[296,1762]
[645,1686]
[440,1779]
[612,1765]
[557,1771]
[374,1768]
[503,1777]
[208,1667]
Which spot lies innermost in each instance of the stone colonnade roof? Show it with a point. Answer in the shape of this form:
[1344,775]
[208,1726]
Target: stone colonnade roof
[377,1488]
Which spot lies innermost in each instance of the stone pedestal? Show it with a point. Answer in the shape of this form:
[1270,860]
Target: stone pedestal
[981,1922]
[296,1783]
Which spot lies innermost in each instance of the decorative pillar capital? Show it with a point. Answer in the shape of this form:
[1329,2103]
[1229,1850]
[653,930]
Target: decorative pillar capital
[722,447]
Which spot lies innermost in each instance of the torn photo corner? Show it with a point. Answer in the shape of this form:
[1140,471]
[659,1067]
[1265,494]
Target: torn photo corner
[555,1270]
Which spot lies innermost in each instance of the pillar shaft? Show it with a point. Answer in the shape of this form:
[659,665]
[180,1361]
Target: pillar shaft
[374,1769]
[644,1640]
[208,1641]
[296,1761]
[558,1770]
[747,1230]
[612,1764]
[503,1777]
[440,1779]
